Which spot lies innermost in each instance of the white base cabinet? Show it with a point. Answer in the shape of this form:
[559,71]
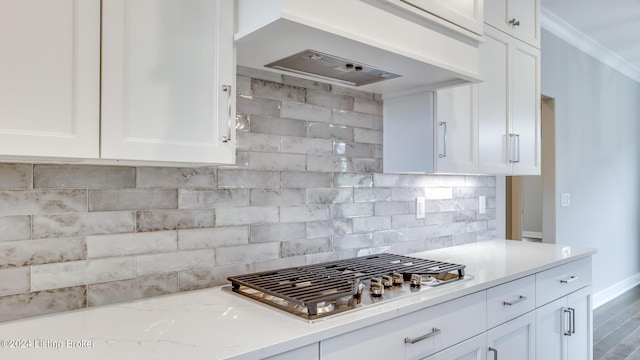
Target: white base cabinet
[515,339]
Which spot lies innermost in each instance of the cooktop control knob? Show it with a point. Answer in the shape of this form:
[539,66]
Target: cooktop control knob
[397,279]
[387,281]
[377,289]
[416,280]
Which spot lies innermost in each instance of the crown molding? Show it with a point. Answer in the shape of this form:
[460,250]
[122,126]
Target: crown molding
[567,32]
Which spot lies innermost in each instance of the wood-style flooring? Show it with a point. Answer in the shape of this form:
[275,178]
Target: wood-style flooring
[616,328]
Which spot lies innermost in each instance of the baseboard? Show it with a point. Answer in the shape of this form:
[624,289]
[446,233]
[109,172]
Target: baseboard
[604,296]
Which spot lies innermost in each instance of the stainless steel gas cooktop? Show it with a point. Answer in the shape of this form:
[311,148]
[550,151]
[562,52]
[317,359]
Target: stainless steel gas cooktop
[316,291]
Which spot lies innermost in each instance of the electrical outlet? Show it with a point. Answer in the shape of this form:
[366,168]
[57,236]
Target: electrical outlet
[565,199]
[482,204]
[420,208]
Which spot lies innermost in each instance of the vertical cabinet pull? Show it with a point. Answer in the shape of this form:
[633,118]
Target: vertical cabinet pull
[227,89]
[569,326]
[518,148]
[434,332]
[515,148]
[495,352]
[444,139]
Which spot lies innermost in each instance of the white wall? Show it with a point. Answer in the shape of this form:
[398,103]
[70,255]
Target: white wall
[597,161]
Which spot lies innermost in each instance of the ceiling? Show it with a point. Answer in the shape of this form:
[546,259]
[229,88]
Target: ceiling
[611,28]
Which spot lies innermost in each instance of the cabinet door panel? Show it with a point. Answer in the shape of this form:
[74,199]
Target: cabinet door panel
[499,13]
[472,349]
[515,339]
[49,78]
[161,80]
[525,111]
[493,105]
[550,344]
[580,344]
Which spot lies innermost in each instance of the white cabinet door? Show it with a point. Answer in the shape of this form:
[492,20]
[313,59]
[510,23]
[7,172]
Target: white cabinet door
[518,18]
[580,343]
[515,339]
[457,130]
[550,322]
[509,106]
[49,78]
[167,69]
[465,13]
[472,349]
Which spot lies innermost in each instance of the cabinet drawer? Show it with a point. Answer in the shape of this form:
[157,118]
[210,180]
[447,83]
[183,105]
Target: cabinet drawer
[445,324]
[510,300]
[562,280]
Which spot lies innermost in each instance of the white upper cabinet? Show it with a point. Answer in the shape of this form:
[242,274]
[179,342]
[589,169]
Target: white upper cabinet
[426,135]
[509,106]
[518,18]
[49,78]
[162,92]
[167,76]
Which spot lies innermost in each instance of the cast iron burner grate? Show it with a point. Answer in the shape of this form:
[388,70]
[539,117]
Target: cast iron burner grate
[308,286]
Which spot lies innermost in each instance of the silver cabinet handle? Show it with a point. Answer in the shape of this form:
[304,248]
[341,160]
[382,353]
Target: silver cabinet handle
[516,301]
[512,139]
[434,332]
[444,139]
[571,323]
[568,280]
[518,148]
[573,320]
[514,22]
[227,89]
[495,351]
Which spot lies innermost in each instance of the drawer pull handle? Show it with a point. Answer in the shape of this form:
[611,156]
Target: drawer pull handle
[518,300]
[434,332]
[568,280]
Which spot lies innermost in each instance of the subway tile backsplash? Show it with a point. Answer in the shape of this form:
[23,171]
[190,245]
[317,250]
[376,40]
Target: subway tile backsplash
[307,187]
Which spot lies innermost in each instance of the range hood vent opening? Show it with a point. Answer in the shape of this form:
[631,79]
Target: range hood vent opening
[329,67]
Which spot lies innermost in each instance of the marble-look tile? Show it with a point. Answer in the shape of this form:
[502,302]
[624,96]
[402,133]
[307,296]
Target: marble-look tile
[303,145]
[378,152]
[132,199]
[329,163]
[452,229]
[366,165]
[369,106]
[329,100]
[212,238]
[371,194]
[386,237]
[423,232]
[175,261]
[31,202]
[257,106]
[435,193]
[277,232]
[277,90]
[308,112]
[209,277]
[67,274]
[406,194]
[444,205]
[134,289]
[410,180]
[486,235]
[158,220]
[275,161]
[268,197]
[356,119]
[462,239]
[305,247]
[329,195]
[15,227]
[242,124]
[279,263]
[21,306]
[255,73]
[82,224]
[33,252]
[405,221]
[386,208]
[438,218]
[358,150]
[329,256]
[408,247]
[277,126]
[330,131]
[14,281]
[246,216]
[352,92]
[439,242]
[249,141]
[243,85]
[467,215]
[367,136]
[247,254]
[83,177]
[349,210]
[248,179]
[477,226]
[353,180]
[212,198]
[16,176]
[102,246]
[311,212]
[151,177]
[480,181]
[371,223]
[329,228]
[308,84]
[352,241]
[306,179]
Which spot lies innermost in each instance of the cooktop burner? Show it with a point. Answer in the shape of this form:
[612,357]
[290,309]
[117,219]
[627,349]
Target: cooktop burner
[320,290]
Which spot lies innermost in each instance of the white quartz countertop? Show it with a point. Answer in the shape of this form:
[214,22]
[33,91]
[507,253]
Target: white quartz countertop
[218,324]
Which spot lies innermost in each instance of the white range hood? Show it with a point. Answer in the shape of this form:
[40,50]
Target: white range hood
[311,36]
